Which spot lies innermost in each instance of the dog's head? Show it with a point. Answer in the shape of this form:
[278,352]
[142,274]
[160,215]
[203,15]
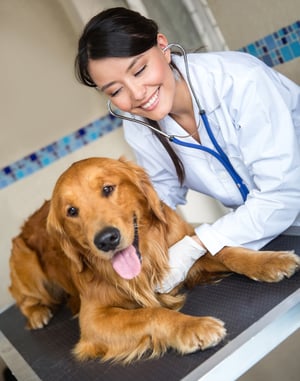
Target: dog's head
[96,208]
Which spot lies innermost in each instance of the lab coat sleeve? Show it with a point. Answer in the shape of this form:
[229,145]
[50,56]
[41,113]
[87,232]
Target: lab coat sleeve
[270,149]
[152,156]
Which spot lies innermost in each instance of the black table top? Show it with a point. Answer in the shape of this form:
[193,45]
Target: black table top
[236,300]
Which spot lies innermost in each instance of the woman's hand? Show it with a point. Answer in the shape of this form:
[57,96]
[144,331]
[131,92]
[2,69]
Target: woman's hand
[182,256]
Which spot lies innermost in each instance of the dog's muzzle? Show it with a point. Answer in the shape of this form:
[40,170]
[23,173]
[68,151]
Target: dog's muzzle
[126,262]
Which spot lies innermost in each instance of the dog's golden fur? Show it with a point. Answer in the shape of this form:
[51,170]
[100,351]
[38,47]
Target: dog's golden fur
[57,258]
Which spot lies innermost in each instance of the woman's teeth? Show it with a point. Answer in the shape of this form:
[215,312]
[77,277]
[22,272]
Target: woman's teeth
[151,101]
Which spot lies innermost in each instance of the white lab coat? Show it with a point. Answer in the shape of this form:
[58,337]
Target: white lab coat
[254,113]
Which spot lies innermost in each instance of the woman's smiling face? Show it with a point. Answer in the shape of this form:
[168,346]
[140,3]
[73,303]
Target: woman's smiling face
[143,85]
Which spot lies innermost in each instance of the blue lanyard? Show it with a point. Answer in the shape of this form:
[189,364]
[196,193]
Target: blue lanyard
[220,155]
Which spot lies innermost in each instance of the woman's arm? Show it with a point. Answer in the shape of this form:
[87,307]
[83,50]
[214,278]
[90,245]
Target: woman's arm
[271,151]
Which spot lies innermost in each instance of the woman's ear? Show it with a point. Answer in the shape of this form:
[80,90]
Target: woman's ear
[162,43]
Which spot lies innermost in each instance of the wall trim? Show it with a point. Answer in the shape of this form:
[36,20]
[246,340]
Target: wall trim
[274,49]
[278,47]
[56,150]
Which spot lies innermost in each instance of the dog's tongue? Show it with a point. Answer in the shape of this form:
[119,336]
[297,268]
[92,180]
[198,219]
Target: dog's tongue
[127,263]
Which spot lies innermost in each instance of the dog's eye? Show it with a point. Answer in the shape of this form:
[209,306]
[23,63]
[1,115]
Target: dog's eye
[72,211]
[107,190]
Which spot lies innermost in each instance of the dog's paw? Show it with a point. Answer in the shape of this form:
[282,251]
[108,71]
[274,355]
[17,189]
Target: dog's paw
[38,317]
[273,266]
[199,333]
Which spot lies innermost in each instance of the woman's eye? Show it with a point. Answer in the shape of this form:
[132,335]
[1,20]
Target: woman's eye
[113,94]
[107,190]
[140,71]
[72,211]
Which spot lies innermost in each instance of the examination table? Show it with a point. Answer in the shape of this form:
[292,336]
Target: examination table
[258,316]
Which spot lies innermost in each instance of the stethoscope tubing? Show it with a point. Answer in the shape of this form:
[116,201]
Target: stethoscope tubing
[219,154]
[226,164]
[225,161]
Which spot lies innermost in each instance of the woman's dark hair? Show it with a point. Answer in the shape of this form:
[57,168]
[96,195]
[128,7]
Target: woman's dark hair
[119,32]
[115,32]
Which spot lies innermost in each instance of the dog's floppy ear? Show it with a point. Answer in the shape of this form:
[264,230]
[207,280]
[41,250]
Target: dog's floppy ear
[55,229]
[142,181]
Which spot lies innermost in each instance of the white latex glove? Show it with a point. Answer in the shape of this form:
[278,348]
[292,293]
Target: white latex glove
[182,256]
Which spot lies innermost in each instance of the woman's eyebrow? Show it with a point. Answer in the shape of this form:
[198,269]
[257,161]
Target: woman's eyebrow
[132,63]
[103,88]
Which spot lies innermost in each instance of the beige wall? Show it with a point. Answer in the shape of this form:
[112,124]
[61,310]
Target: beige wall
[40,98]
[244,21]
[41,102]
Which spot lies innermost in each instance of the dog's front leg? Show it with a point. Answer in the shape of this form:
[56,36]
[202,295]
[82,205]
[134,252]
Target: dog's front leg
[125,335]
[267,266]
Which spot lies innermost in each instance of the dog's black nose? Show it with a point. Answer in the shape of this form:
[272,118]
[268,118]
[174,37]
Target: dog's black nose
[107,239]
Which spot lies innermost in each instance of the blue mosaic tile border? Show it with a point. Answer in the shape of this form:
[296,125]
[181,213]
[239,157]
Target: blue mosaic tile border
[52,152]
[277,48]
[274,49]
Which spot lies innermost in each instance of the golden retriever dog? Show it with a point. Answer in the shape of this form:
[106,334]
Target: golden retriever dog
[101,245]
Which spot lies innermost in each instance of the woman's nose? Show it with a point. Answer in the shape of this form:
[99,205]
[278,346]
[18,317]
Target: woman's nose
[138,91]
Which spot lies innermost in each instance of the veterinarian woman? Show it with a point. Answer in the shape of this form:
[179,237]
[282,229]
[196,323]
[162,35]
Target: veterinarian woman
[253,114]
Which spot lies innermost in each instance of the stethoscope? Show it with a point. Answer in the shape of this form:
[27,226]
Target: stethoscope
[219,154]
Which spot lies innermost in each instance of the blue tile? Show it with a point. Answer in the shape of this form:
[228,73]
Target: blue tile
[252,49]
[29,170]
[19,174]
[66,139]
[80,132]
[276,61]
[286,53]
[7,170]
[46,161]
[279,47]
[293,36]
[267,60]
[5,181]
[295,47]
[269,40]
[33,157]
